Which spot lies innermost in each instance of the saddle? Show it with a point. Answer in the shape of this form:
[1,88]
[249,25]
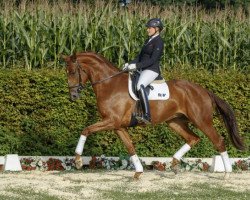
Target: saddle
[134,79]
[157,90]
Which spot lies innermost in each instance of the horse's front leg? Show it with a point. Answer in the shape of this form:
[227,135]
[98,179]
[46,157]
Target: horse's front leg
[124,136]
[106,124]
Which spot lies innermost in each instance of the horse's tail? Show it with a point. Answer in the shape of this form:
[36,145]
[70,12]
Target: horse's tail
[229,119]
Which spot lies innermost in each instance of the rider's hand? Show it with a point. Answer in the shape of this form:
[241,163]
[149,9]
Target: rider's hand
[125,66]
[132,67]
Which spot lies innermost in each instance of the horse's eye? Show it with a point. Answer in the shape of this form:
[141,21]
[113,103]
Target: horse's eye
[71,72]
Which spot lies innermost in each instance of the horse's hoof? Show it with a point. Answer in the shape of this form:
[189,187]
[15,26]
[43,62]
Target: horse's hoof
[226,176]
[175,170]
[174,167]
[137,175]
[78,164]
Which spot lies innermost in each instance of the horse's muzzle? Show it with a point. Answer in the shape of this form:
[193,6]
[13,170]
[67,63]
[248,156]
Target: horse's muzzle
[74,97]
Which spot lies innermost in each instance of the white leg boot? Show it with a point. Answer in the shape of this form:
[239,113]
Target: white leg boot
[80,145]
[79,150]
[227,164]
[183,150]
[137,163]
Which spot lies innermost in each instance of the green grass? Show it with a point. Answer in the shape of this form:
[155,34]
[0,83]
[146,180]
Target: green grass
[203,191]
[193,191]
[26,194]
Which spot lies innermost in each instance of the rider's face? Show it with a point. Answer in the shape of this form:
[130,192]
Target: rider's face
[151,31]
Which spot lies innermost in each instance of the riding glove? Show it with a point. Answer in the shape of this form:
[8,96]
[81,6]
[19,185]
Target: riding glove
[125,67]
[132,67]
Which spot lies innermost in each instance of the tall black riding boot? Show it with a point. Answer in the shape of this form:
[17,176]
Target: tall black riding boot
[145,105]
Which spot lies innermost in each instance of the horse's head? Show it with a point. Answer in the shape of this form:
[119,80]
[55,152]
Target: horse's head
[77,77]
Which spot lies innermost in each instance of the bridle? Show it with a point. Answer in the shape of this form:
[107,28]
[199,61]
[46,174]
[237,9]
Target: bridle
[80,86]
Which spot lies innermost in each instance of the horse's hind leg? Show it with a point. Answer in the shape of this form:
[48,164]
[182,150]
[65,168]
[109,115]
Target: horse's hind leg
[181,127]
[218,142]
[124,136]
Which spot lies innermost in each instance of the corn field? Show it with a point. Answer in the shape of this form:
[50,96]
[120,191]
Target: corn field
[35,33]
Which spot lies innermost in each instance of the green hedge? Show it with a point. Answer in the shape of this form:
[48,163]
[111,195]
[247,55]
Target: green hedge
[37,118]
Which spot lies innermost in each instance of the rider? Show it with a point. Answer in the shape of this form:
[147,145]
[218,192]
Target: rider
[148,63]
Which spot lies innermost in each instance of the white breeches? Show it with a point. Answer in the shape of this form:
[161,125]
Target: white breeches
[146,77]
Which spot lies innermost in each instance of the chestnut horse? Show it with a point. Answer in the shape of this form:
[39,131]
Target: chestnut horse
[188,103]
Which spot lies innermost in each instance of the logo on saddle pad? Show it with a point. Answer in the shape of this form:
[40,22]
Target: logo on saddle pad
[158,90]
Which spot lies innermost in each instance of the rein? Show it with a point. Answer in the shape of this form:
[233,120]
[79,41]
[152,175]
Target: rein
[96,82]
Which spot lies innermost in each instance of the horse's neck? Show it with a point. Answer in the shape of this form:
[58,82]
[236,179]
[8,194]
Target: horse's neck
[102,72]
[109,88]
[98,68]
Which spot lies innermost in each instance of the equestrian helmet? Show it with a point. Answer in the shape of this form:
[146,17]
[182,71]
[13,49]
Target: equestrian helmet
[155,22]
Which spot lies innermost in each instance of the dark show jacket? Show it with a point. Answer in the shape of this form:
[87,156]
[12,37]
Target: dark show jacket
[150,55]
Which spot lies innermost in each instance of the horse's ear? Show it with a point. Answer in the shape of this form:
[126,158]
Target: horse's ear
[73,57]
[65,58]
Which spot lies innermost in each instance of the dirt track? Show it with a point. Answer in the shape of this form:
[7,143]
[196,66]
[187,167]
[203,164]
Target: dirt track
[90,184]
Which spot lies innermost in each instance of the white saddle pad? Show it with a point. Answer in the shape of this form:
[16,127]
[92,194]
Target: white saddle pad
[160,91]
